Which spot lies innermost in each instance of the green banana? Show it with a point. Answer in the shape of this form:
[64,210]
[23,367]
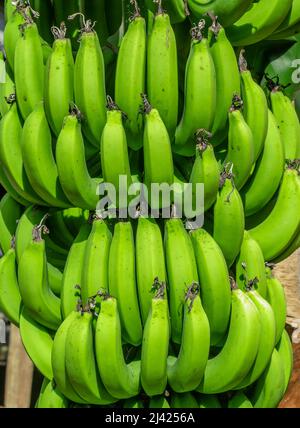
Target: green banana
[37,342]
[29,68]
[51,397]
[250,266]
[89,84]
[239,401]
[227,369]
[121,380]
[81,363]
[281,227]
[155,344]
[59,77]
[255,107]
[10,212]
[158,402]
[10,298]
[276,298]
[122,265]
[208,401]
[291,19]
[240,145]
[39,162]
[130,77]
[133,403]
[288,123]
[214,283]
[78,186]
[9,10]
[268,171]
[150,261]
[59,230]
[7,87]
[258,22]
[289,251]
[292,31]
[72,275]
[181,271]
[176,9]
[15,18]
[162,74]
[5,183]
[183,401]
[229,219]
[285,351]
[185,372]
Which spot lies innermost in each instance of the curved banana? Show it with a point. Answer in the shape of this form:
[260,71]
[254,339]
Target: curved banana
[29,68]
[288,123]
[162,74]
[269,389]
[281,227]
[268,171]
[240,145]
[255,107]
[59,230]
[250,266]
[10,298]
[150,261]
[159,402]
[37,342]
[89,84]
[266,342]
[58,360]
[227,77]
[239,401]
[289,251]
[285,351]
[78,186]
[181,271]
[130,78]
[229,219]
[258,22]
[59,77]
[276,298]
[11,34]
[95,263]
[41,303]
[205,170]
[158,160]
[289,32]
[81,363]
[11,156]
[214,283]
[227,369]
[51,397]
[39,163]
[183,401]
[122,265]
[292,18]
[72,275]
[155,344]
[5,183]
[186,372]
[200,91]
[10,212]
[120,380]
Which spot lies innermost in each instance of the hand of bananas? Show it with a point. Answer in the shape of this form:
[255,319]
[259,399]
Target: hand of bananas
[144,312]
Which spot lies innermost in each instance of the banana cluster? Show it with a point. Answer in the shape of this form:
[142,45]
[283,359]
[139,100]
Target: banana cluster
[148,312]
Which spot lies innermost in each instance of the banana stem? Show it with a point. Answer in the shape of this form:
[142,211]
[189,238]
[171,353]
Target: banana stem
[74,111]
[137,11]
[11,99]
[243,65]
[59,32]
[191,294]
[88,24]
[216,26]
[186,8]
[203,138]
[159,287]
[146,107]
[160,10]
[233,284]
[196,32]
[40,229]
[237,103]
[227,174]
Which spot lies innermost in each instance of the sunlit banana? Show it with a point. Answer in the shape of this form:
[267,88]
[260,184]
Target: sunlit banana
[239,401]
[285,351]
[122,265]
[186,372]
[162,75]
[281,227]
[268,171]
[224,371]
[215,288]
[10,212]
[181,271]
[250,266]
[37,342]
[176,9]
[51,397]
[150,261]
[39,163]
[81,363]
[120,380]
[59,77]
[292,18]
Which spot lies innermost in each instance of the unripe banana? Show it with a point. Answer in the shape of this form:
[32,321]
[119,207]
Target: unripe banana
[133,403]
[291,19]
[289,251]
[15,18]
[229,219]
[239,401]
[162,74]
[130,77]
[250,266]
[281,227]
[121,380]
[268,171]
[89,84]
[150,261]
[181,271]
[185,372]
[7,86]
[285,351]
[159,402]
[59,79]
[51,397]
[214,283]
[208,401]
[5,183]
[10,212]
[183,401]
[121,266]
[177,9]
